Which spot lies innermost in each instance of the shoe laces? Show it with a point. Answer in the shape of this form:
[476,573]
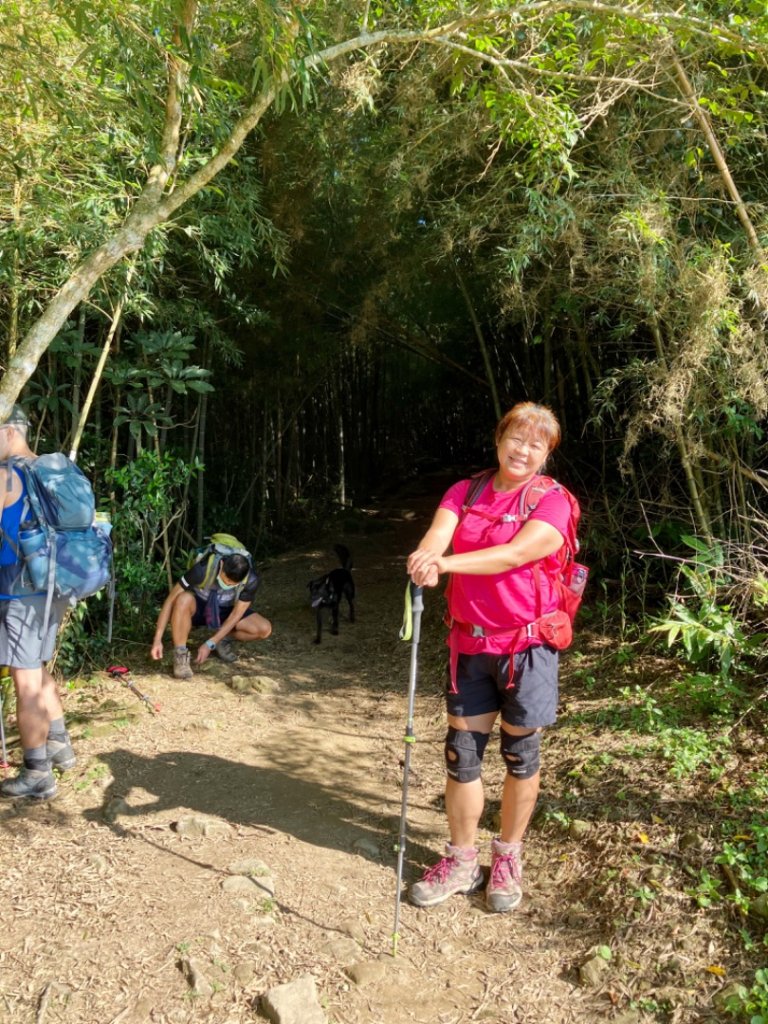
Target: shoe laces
[505,864]
[439,872]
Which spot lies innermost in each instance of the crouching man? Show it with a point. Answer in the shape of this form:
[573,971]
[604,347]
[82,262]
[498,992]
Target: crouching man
[223,605]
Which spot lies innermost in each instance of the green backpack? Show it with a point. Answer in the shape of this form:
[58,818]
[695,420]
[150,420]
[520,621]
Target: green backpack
[219,546]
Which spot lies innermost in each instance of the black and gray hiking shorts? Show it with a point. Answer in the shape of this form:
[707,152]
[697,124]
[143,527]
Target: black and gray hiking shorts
[22,642]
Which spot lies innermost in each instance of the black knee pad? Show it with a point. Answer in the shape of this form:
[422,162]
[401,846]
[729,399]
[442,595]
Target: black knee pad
[464,753]
[521,753]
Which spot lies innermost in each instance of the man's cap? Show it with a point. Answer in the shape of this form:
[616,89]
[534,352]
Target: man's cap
[16,416]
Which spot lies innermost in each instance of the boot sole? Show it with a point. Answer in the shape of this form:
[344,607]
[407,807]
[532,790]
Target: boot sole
[47,794]
[64,766]
[503,910]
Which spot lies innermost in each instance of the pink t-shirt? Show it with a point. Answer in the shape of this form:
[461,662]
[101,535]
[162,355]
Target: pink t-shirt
[508,599]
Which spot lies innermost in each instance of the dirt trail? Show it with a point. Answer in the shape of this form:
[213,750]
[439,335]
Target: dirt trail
[107,903]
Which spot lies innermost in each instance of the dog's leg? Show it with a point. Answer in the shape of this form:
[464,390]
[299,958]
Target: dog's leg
[319,616]
[335,618]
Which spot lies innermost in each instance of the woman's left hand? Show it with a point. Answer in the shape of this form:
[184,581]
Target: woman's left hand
[424,568]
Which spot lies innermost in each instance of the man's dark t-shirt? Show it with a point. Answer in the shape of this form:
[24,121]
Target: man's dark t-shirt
[193,578]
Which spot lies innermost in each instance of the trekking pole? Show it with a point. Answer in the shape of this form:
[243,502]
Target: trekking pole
[4,762]
[414,605]
[123,674]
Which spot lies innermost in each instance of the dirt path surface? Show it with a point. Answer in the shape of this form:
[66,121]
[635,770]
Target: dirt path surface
[236,841]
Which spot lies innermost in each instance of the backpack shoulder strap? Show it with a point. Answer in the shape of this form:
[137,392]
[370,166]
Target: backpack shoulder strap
[534,491]
[476,488]
[212,563]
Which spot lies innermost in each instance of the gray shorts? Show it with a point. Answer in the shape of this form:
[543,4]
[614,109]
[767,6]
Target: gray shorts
[22,644]
[483,684]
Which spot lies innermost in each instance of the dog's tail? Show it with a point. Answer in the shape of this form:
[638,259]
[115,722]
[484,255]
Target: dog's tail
[345,555]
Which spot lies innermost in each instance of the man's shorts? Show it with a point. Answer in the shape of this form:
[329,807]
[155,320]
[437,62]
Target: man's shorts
[198,619]
[22,644]
[483,684]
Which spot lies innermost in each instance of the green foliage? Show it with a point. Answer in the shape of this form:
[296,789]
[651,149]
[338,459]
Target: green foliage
[149,496]
[708,628]
[81,646]
[750,1005]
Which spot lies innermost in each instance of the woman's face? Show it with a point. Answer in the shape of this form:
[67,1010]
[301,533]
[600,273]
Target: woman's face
[521,454]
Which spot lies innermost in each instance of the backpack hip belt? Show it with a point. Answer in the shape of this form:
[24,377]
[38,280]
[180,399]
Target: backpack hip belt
[553,629]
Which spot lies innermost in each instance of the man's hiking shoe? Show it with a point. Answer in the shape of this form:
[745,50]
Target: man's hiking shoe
[459,871]
[181,666]
[225,649]
[30,783]
[505,889]
[60,752]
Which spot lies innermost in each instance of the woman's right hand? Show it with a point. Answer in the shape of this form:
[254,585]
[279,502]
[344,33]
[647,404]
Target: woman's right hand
[157,650]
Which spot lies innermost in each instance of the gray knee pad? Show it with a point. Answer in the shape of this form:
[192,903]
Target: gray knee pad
[464,753]
[521,753]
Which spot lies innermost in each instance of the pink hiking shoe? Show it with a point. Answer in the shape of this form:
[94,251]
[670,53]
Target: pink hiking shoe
[505,889]
[459,871]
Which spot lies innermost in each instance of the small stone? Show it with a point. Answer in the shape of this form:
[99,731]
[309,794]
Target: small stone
[252,866]
[366,972]
[244,974]
[592,973]
[197,981]
[245,884]
[295,1002]
[251,684]
[196,825]
[354,929]
[263,684]
[240,684]
[342,949]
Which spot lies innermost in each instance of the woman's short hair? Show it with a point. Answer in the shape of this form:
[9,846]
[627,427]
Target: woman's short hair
[531,418]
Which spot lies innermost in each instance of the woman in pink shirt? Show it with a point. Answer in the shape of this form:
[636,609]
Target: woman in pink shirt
[498,586]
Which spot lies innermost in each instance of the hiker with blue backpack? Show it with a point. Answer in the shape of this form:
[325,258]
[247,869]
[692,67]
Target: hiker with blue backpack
[216,592]
[512,592]
[29,622]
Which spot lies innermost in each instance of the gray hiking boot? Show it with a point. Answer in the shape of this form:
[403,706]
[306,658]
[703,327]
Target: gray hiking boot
[505,889]
[225,649]
[60,752]
[181,666]
[459,871]
[30,783]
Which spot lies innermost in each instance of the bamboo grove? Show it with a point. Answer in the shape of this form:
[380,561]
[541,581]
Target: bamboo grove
[262,261]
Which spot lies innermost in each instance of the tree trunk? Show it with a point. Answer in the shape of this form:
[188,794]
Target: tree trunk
[689,468]
[717,154]
[480,340]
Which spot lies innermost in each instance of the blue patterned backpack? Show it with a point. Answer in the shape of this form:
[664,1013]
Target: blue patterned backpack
[67,554]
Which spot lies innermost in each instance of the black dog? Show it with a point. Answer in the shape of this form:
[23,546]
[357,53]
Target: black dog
[328,590]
